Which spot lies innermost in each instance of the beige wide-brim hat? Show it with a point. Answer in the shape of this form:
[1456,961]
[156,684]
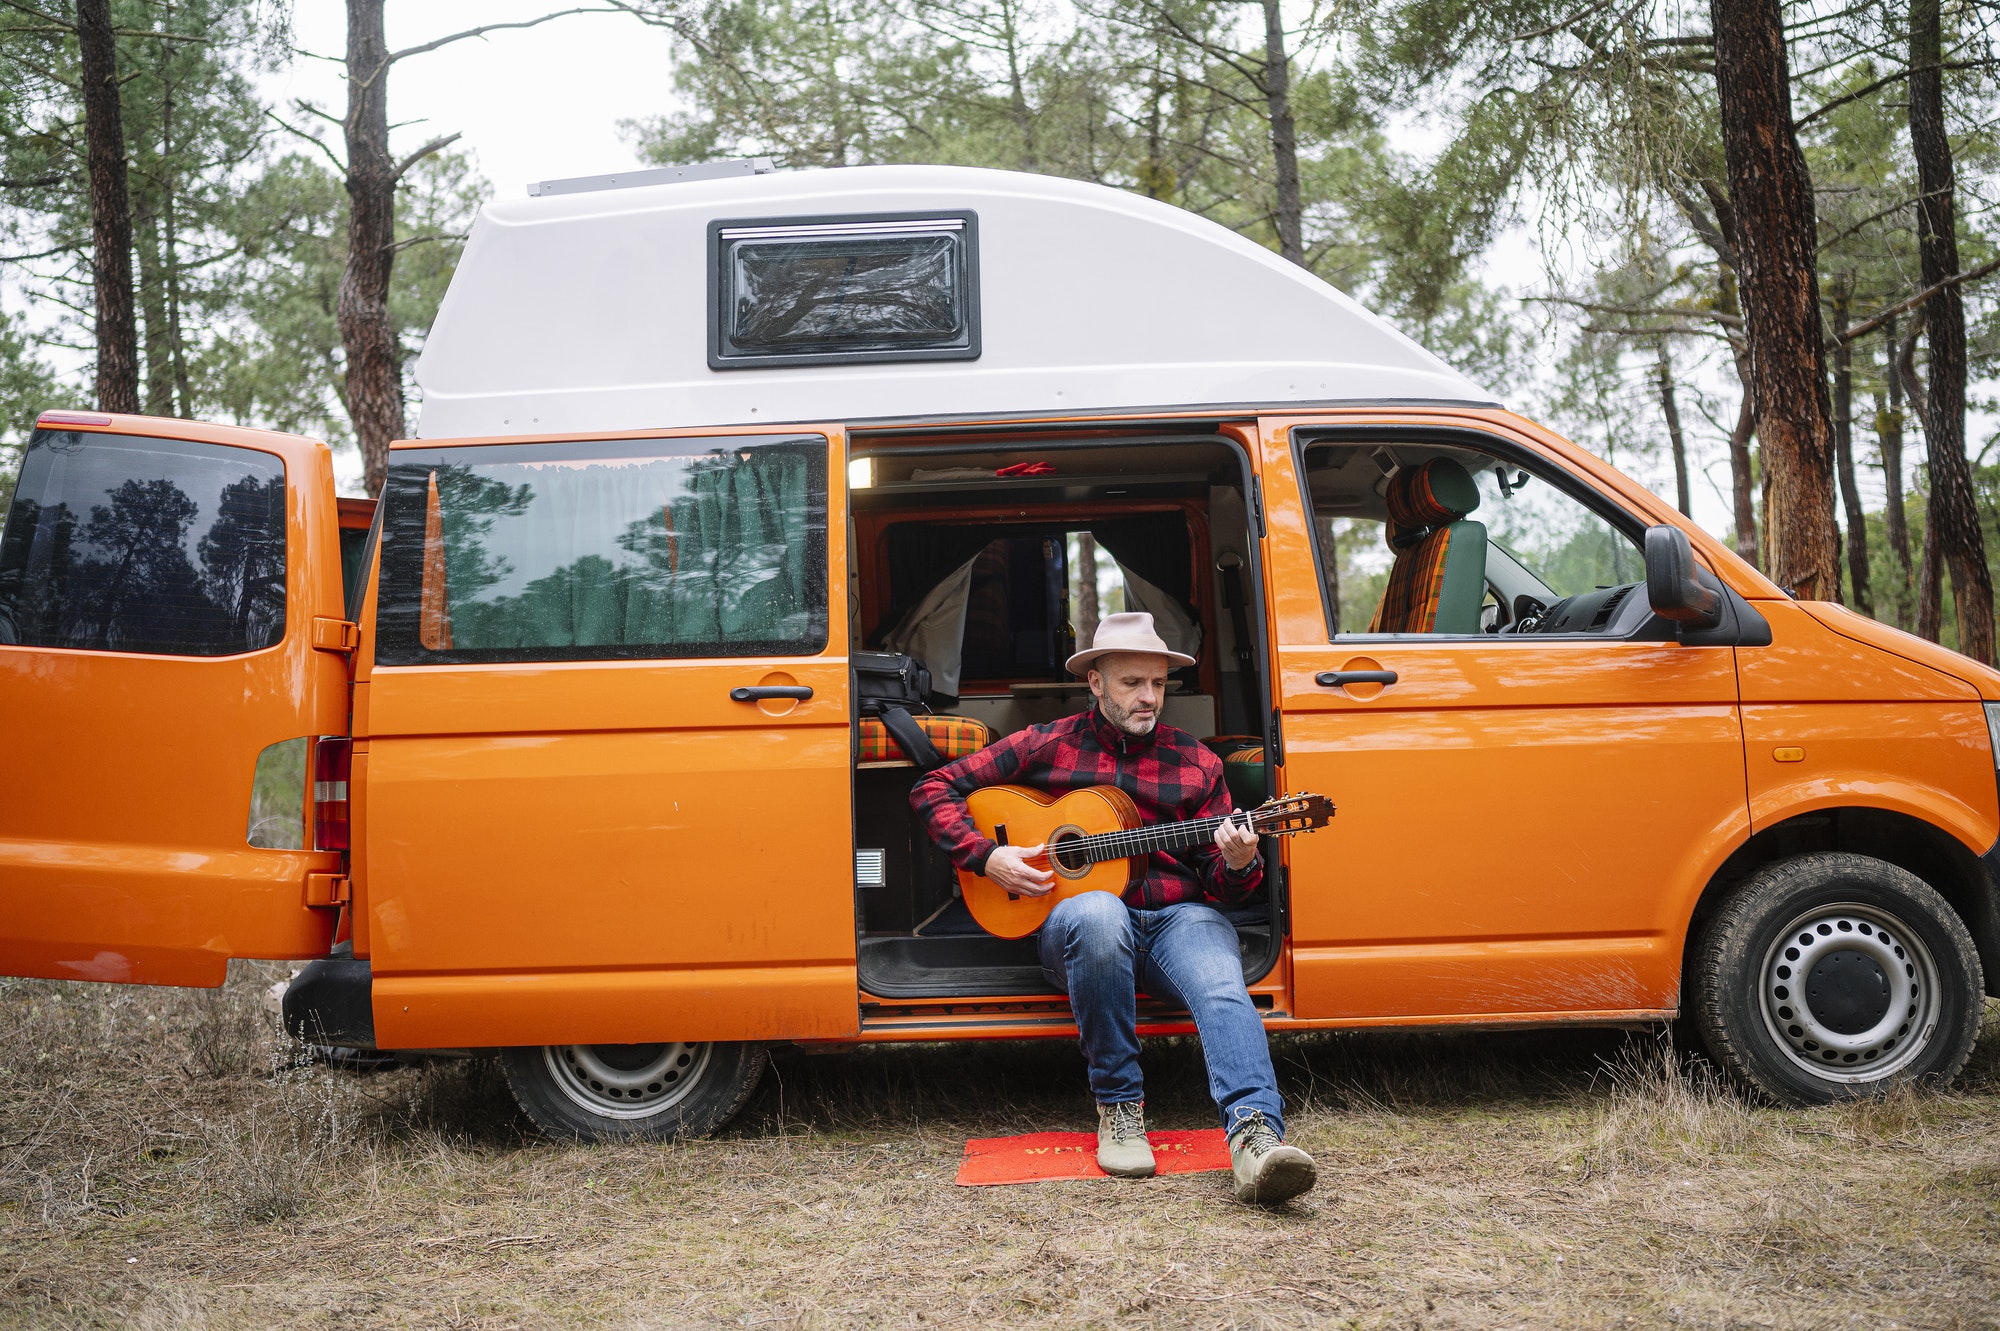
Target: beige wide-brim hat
[1125,633]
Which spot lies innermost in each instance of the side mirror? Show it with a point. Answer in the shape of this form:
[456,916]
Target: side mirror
[1671,584]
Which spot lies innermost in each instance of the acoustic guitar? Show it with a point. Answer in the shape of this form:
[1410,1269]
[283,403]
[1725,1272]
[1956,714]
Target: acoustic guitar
[1095,842]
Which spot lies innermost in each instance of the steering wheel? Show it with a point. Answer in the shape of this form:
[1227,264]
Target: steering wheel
[1528,613]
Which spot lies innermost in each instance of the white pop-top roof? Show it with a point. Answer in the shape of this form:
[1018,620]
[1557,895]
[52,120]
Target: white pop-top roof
[589,311]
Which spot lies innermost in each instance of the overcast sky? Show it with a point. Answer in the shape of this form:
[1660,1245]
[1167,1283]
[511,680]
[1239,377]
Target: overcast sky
[533,104]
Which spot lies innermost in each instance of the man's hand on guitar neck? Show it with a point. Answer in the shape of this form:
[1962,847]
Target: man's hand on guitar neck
[1237,842]
[1008,867]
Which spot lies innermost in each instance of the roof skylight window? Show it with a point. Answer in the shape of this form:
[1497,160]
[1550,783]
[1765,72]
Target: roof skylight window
[843,290]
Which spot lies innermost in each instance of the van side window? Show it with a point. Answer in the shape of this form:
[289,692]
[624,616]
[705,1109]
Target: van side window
[1450,540]
[604,550]
[121,543]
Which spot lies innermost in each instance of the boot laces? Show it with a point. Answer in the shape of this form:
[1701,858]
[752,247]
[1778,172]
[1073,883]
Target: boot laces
[1256,1133]
[1127,1120]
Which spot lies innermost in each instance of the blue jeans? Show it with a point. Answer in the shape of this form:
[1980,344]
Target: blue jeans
[1103,952]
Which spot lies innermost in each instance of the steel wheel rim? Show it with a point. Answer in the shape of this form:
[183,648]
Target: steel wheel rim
[1817,991]
[626,1080]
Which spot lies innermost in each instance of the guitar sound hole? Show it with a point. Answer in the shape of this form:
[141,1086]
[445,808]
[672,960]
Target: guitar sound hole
[1069,856]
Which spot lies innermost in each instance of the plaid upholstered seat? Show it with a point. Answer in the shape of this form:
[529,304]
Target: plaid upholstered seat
[953,736]
[1439,578]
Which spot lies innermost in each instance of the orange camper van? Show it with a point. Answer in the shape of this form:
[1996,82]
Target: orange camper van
[556,751]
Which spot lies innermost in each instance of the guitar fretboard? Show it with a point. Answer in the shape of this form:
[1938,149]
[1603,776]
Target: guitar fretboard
[1145,840]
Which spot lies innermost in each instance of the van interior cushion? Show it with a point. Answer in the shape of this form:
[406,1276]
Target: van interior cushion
[1242,767]
[1244,772]
[953,736]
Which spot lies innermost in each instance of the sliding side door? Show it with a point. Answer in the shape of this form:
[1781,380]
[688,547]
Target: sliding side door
[607,750]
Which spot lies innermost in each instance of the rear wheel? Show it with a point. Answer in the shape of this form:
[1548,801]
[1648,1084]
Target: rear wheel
[1825,977]
[623,1092]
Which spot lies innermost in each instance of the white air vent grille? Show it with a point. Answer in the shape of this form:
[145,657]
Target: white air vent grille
[868,868]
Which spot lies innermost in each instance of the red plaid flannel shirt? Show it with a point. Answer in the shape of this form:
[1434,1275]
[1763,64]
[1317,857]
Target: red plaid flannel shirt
[1168,774]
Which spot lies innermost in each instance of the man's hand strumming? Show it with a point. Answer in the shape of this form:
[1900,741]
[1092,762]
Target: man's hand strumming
[1237,843]
[1007,866]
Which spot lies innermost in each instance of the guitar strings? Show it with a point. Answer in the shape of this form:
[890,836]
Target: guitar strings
[1127,842]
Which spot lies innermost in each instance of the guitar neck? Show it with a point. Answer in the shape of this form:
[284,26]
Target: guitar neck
[1145,840]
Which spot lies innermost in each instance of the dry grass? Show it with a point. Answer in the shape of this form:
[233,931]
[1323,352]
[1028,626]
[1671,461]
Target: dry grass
[167,1163]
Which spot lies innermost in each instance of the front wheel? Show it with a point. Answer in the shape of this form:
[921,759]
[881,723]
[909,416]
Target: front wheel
[627,1092]
[1826,976]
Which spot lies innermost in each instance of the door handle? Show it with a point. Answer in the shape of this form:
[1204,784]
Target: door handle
[759,692]
[1334,679]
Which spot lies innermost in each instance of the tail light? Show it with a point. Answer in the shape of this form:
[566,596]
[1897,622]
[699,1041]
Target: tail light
[333,759]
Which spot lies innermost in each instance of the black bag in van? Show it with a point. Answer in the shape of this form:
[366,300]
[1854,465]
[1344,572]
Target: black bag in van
[887,685]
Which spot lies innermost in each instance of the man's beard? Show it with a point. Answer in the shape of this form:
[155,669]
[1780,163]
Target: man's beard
[1124,720]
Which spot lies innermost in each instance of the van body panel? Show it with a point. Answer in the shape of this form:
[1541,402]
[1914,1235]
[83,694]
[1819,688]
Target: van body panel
[126,793]
[615,850]
[1863,724]
[551,851]
[1890,639]
[1505,799]
[1934,763]
[615,1007]
[569,697]
[1806,661]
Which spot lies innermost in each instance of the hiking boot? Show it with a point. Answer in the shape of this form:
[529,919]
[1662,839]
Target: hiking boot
[1122,1148]
[1267,1170]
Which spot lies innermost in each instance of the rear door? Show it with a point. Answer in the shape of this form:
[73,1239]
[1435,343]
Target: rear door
[162,588]
[606,742]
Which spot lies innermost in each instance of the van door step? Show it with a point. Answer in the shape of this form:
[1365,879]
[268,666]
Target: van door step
[1025,1018]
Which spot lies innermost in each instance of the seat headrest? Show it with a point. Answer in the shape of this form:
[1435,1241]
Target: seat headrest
[1430,494]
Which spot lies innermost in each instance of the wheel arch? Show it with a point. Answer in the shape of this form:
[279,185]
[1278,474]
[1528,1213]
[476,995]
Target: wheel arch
[1965,878]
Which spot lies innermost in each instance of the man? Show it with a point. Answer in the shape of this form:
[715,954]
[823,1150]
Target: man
[1164,935]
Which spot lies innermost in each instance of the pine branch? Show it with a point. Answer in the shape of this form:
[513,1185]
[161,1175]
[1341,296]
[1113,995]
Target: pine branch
[435,145]
[1874,322]
[313,139]
[1884,82]
[498,27]
[1875,217]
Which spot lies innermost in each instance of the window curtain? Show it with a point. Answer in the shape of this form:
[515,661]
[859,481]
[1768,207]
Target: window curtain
[684,552]
[1157,547]
[1173,621]
[934,630]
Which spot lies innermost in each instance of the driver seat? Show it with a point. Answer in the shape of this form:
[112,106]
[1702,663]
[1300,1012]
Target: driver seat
[1438,581]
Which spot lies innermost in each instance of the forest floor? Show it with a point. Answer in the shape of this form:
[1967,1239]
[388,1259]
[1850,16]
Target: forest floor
[164,1162]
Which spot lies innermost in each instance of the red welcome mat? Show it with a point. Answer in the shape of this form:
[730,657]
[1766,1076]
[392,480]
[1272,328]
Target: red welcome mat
[1046,1155]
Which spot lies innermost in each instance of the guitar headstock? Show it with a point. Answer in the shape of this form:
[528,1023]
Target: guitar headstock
[1291,813]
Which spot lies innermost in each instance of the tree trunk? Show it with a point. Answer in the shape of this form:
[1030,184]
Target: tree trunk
[152,301]
[1284,136]
[1889,431]
[1771,193]
[1740,478]
[1683,500]
[1953,517]
[1088,613]
[1843,445]
[110,210]
[169,247]
[374,356]
[1930,613]
[1024,118]
[1930,584]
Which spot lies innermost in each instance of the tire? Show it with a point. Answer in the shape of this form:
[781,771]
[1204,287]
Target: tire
[1829,976]
[632,1092]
